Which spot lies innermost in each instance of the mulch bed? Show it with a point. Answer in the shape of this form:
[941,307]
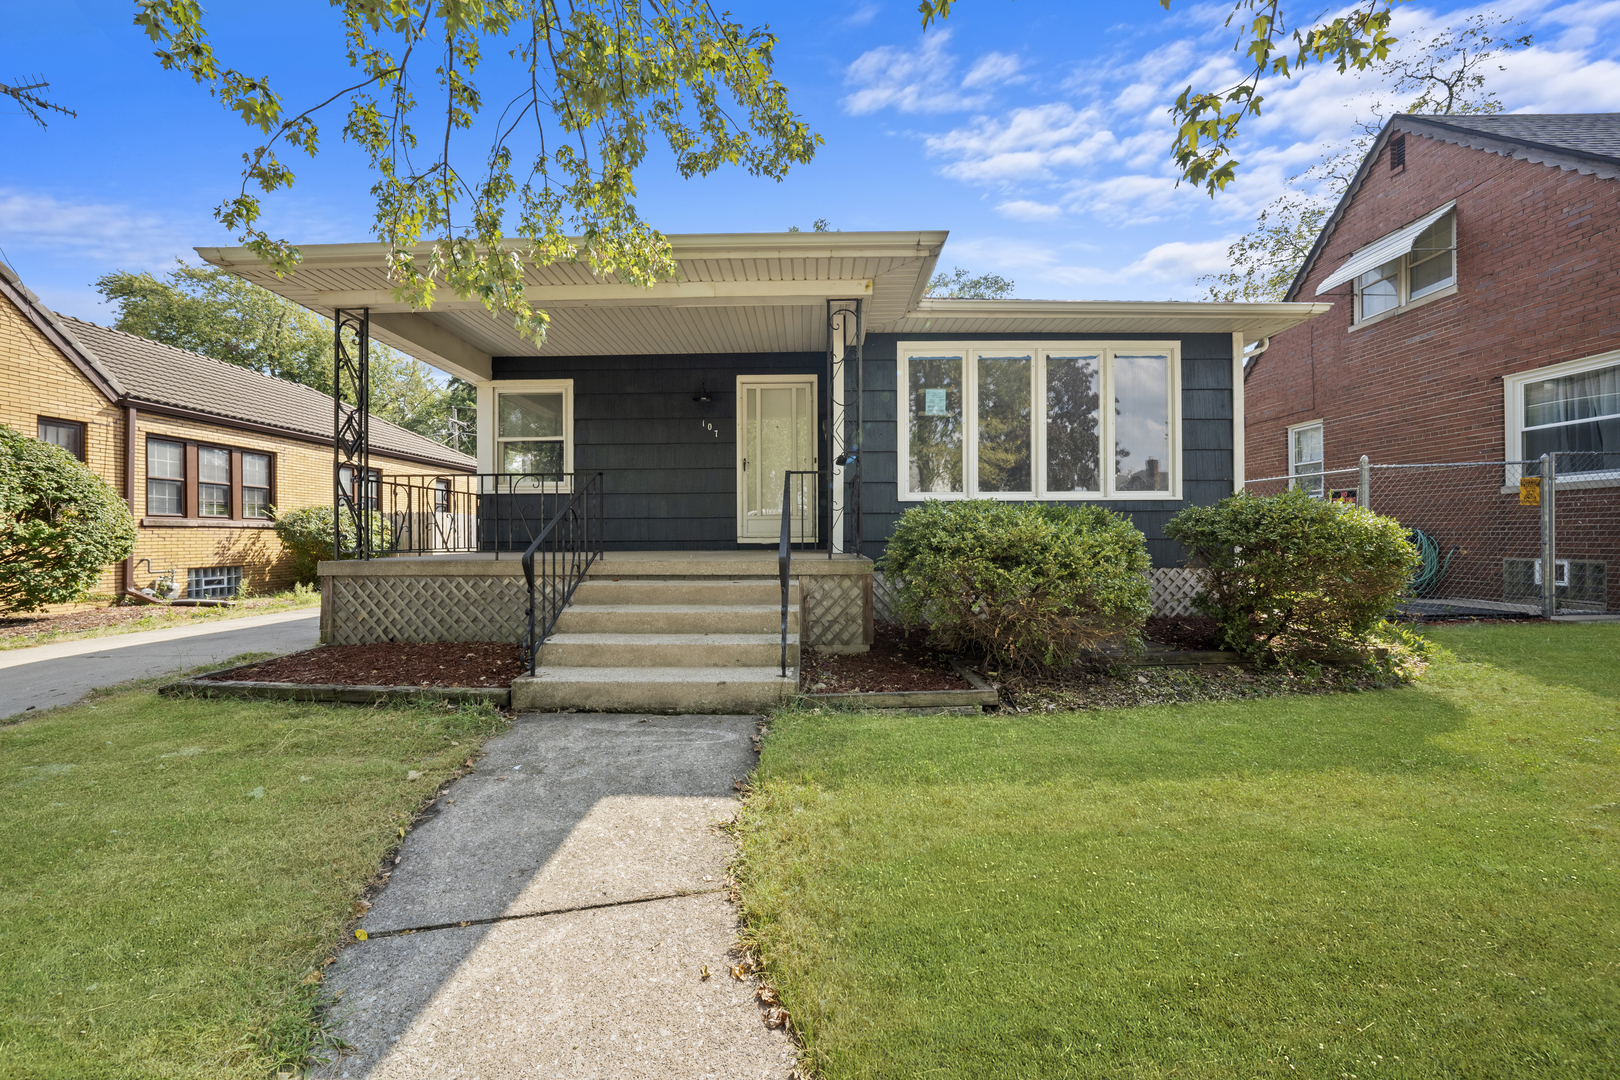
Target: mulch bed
[899,660]
[1195,632]
[85,619]
[441,664]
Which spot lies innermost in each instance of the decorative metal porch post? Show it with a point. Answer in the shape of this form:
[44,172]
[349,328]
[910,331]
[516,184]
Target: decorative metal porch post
[351,431]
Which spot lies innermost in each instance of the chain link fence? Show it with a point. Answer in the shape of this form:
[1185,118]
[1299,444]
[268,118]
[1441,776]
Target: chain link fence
[1497,539]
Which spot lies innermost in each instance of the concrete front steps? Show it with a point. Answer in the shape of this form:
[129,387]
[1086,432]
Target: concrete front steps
[646,642]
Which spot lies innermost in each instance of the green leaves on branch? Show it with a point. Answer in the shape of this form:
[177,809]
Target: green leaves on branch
[1028,586]
[1292,576]
[598,75]
[307,534]
[60,525]
[1208,121]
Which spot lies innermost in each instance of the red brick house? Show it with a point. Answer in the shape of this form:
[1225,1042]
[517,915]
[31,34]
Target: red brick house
[1474,270]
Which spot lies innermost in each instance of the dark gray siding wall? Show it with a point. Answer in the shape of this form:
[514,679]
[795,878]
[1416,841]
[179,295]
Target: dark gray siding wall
[670,478]
[1206,434]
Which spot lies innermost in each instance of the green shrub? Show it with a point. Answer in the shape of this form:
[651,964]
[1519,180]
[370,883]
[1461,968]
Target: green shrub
[1291,576]
[307,536]
[1029,586]
[60,525]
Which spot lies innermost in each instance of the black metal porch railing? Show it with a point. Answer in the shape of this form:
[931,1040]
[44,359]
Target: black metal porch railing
[464,512]
[805,511]
[557,558]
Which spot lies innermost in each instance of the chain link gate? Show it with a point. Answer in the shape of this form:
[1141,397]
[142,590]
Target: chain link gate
[1497,538]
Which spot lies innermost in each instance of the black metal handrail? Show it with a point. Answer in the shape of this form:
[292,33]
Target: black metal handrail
[566,550]
[784,555]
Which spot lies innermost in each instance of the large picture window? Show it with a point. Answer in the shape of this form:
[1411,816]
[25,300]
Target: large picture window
[1571,411]
[1025,421]
[533,436]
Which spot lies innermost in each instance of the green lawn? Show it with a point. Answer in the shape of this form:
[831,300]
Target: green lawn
[174,870]
[1414,883]
[163,617]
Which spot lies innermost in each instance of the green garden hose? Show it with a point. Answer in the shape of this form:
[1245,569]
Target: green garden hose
[1426,579]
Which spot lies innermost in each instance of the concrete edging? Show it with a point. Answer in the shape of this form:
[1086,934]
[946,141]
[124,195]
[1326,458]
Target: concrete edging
[341,693]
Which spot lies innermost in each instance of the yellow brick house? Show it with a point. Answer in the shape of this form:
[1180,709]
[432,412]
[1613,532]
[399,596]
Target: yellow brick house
[200,449]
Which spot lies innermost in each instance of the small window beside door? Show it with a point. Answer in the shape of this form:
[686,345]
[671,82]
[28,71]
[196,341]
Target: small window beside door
[534,431]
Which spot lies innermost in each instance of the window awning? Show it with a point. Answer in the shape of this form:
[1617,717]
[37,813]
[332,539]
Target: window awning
[1382,250]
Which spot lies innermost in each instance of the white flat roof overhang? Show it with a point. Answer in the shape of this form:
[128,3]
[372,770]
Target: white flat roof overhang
[736,293]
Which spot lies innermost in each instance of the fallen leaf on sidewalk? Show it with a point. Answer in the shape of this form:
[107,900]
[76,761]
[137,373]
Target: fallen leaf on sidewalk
[739,972]
[777,1017]
[767,996]
[360,935]
[704,974]
[361,907]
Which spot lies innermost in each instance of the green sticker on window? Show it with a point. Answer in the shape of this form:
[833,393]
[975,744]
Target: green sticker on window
[934,403]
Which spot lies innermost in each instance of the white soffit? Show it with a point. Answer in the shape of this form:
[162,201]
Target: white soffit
[1091,318]
[1382,250]
[737,292]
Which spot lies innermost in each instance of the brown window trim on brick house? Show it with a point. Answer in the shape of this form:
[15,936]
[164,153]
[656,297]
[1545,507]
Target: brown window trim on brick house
[80,450]
[189,494]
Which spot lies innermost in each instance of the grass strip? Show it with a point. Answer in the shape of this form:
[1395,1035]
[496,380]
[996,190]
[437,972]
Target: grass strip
[1419,882]
[163,617]
[177,869]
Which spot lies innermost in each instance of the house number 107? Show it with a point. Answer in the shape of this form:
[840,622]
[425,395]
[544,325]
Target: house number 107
[710,427]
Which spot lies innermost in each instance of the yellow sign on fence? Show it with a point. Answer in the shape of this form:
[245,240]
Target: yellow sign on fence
[1530,491]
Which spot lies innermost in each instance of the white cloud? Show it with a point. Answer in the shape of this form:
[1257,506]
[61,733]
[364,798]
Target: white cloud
[889,77]
[861,15]
[1180,260]
[1024,145]
[92,231]
[1028,210]
[992,69]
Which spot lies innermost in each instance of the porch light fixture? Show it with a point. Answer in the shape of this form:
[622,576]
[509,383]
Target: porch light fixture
[703,393]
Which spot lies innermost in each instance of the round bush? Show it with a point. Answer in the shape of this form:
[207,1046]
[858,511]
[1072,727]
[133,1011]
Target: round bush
[307,535]
[1295,576]
[60,525]
[1026,585]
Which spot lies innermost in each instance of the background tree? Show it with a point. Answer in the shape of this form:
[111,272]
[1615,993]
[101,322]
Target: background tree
[555,179]
[957,285]
[1448,74]
[208,310]
[60,525]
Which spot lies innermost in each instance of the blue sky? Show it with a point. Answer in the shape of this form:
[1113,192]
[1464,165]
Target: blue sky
[1034,130]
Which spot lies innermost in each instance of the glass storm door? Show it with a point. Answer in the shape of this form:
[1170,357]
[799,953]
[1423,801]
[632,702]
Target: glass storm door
[776,434]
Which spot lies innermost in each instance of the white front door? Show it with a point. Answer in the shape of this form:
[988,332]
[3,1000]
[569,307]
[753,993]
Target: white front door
[776,434]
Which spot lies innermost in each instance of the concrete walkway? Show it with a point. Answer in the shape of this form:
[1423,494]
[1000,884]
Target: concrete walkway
[611,814]
[44,676]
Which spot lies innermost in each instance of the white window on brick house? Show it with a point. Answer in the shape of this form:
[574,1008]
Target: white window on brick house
[165,477]
[1305,457]
[1571,411]
[68,434]
[1025,421]
[213,482]
[255,485]
[1416,261]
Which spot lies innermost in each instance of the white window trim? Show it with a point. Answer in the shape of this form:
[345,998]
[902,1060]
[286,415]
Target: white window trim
[1513,415]
[488,418]
[1288,452]
[1040,350]
[1405,301]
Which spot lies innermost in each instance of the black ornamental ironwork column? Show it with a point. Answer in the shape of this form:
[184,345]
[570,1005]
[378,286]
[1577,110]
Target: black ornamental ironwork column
[351,431]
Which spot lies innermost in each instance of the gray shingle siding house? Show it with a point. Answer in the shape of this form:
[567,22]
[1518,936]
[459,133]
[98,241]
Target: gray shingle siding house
[691,398]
